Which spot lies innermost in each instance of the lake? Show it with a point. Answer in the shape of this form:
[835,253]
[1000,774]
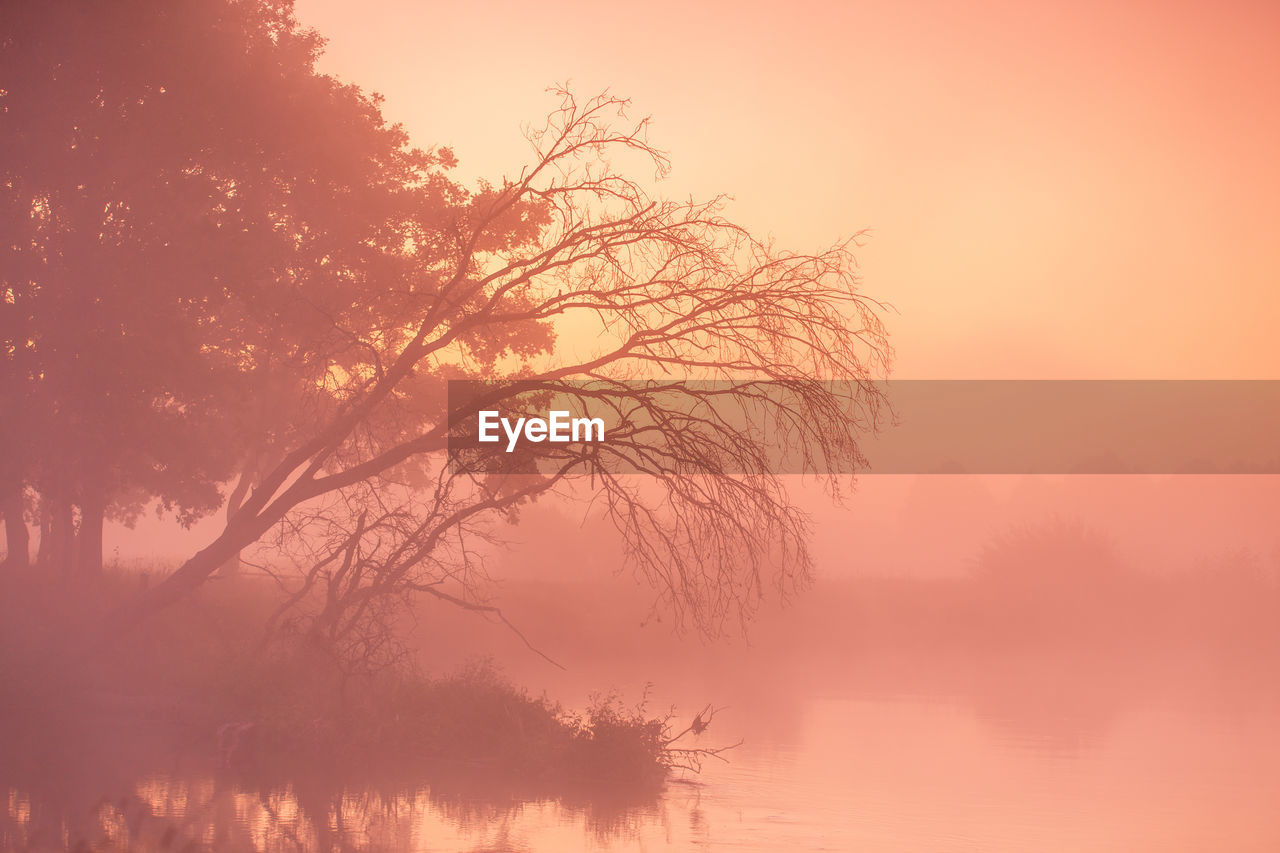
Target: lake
[869,770]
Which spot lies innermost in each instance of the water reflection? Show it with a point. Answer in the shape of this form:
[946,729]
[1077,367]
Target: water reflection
[168,813]
[854,771]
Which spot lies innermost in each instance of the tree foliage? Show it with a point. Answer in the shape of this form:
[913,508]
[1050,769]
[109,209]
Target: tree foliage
[228,263]
[200,229]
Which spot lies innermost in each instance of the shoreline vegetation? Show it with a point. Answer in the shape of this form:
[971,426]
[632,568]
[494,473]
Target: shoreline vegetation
[202,672]
[1050,637]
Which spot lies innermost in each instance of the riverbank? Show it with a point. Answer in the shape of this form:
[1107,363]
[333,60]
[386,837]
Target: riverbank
[201,675]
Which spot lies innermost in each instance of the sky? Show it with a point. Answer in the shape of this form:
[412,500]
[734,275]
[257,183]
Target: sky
[1050,190]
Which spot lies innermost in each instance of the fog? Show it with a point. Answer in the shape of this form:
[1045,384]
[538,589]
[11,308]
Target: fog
[1114,635]
[263,586]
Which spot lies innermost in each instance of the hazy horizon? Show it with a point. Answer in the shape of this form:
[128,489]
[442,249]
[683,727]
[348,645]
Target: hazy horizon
[265,262]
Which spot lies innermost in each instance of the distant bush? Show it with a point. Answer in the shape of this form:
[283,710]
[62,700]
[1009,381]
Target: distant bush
[1059,553]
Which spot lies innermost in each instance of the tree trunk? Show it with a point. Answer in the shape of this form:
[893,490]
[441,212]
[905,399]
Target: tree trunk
[89,553]
[186,578]
[57,534]
[17,538]
[44,556]
[234,501]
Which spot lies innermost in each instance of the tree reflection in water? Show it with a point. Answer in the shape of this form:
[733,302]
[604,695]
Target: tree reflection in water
[464,808]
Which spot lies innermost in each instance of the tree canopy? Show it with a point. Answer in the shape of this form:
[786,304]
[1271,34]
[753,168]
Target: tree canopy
[224,264]
[200,228]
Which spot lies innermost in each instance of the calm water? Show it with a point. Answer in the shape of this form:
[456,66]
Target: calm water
[832,773]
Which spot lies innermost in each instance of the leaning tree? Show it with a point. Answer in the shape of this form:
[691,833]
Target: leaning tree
[573,278]
[228,270]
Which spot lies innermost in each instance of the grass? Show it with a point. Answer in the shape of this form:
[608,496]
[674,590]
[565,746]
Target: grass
[201,669]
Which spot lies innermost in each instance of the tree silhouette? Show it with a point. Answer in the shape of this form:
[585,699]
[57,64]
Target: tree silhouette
[229,267]
[375,513]
[198,227]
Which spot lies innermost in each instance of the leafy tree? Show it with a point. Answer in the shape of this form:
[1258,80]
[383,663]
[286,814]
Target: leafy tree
[204,230]
[371,512]
[225,263]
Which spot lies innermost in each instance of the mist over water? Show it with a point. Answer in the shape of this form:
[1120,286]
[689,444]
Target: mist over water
[1071,683]
[266,268]
[825,772]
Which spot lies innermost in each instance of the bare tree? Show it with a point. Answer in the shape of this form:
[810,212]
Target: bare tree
[371,509]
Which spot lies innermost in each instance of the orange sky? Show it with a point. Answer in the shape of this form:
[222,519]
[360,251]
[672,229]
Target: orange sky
[1055,190]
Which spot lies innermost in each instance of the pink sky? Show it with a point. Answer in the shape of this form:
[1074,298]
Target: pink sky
[1053,189]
